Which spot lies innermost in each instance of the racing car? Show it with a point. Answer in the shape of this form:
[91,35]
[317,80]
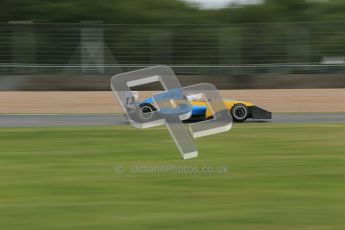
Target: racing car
[239,110]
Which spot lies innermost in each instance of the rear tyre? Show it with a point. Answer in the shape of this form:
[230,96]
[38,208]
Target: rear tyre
[239,112]
[146,111]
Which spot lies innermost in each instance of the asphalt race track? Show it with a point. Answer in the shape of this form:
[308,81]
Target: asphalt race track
[44,120]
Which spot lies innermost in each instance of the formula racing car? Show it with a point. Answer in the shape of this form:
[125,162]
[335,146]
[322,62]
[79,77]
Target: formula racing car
[239,110]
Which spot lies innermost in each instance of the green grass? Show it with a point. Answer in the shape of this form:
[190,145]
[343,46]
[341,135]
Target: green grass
[281,177]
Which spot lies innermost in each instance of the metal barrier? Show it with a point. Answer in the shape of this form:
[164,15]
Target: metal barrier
[96,48]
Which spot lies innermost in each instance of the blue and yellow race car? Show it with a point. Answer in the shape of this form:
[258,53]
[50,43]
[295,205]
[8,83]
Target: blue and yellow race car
[239,110]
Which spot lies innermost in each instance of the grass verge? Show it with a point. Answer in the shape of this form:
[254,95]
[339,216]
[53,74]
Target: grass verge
[281,176]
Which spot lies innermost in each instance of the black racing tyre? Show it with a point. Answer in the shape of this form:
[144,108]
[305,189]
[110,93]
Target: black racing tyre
[239,112]
[146,110]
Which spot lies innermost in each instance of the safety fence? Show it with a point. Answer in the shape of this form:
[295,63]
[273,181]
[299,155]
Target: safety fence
[97,48]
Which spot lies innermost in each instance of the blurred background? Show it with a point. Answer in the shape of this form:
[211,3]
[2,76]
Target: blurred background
[234,44]
[63,135]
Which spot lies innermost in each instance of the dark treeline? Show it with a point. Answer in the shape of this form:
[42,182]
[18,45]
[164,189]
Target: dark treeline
[174,32]
[168,11]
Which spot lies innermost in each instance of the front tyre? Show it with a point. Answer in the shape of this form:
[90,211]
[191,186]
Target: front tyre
[239,112]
